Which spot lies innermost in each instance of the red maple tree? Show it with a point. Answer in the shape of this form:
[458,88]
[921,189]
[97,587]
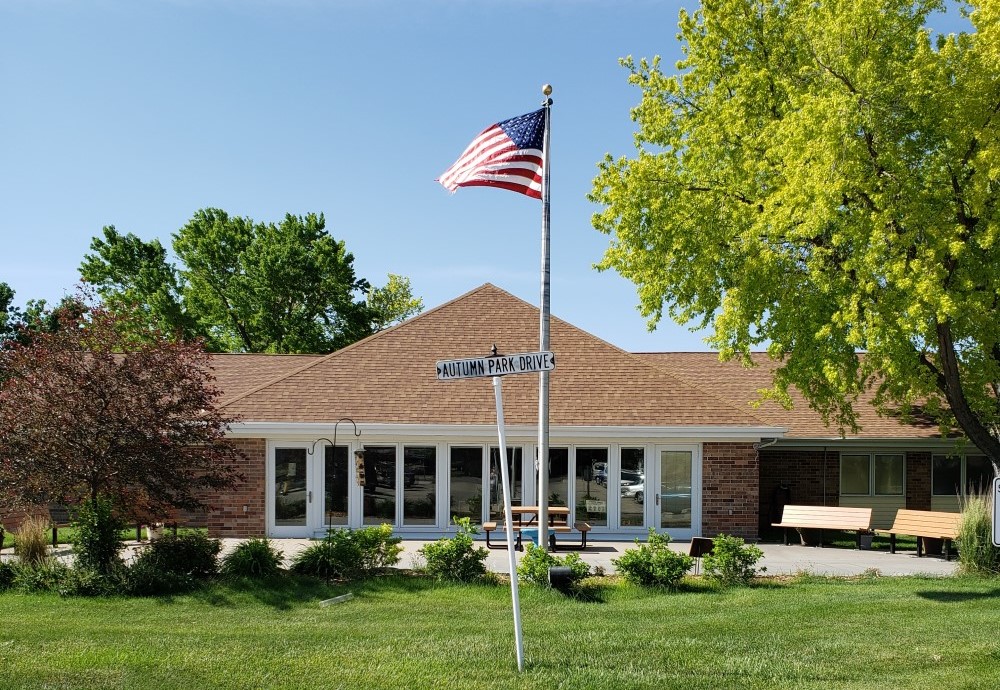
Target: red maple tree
[89,410]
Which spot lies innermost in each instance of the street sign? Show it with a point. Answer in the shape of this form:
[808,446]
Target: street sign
[996,511]
[499,365]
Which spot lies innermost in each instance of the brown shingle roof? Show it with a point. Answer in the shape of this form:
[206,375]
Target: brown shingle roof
[391,377]
[236,374]
[740,386]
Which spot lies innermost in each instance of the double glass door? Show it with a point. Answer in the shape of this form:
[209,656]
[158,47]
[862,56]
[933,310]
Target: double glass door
[308,490]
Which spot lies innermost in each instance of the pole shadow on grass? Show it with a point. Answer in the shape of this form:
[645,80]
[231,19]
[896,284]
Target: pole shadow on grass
[944,597]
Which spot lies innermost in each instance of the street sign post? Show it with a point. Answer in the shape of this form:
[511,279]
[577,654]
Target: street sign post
[996,511]
[497,366]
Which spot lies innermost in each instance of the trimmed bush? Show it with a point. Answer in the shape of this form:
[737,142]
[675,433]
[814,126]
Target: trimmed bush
[457,559]
[193,555]
[254,558]
[379,548]
[535,564]
[31,541]
[98,543]
[732,561]
[976,553]
[349,554]
[653,564]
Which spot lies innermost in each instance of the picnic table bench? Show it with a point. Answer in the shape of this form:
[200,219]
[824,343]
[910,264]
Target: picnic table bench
[525,525]
[924,524]
[825,517]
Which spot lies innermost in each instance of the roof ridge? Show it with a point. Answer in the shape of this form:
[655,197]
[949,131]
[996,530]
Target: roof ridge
[323,358]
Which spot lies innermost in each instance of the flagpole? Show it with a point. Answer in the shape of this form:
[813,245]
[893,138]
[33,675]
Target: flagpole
[543,377]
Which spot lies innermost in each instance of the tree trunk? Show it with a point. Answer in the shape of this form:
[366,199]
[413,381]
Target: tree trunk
[950,383]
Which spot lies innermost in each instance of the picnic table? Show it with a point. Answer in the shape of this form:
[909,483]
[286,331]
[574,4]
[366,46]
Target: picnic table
[525,524]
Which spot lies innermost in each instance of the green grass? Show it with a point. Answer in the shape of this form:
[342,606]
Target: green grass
[408,632]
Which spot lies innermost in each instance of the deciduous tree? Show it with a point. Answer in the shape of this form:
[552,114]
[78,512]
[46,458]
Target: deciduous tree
[245,286]
[823,178]
[88,412]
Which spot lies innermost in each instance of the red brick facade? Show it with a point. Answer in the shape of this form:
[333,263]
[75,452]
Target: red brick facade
[730,490]
[918,481]
[239,512]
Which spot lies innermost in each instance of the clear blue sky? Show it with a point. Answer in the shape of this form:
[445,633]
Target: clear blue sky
[136,114]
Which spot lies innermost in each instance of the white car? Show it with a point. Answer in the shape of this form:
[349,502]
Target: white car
[633,484]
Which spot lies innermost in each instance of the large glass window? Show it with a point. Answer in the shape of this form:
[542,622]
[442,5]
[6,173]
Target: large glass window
[855,472]
[336,483]
[949,471]
[419,485]
[466,483]
[888,471]
[978,474]
[947,475]
[591,493]
[380,485]
[868,474]
[558,476]
[515,457]
[290,487]
[631,476]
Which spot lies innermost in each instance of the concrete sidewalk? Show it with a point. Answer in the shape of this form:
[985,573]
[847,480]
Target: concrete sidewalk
[778,559]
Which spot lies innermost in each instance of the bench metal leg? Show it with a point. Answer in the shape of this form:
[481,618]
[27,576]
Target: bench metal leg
[947,549]
[892,543]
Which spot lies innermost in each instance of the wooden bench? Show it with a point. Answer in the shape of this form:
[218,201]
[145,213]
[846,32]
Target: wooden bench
[581,527]
[825,517]
[924,524]
[58,517]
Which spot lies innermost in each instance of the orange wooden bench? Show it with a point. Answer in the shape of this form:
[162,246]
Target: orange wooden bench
[825,517]
[924,524]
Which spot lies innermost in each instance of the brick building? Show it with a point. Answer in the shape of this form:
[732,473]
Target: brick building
[681,423]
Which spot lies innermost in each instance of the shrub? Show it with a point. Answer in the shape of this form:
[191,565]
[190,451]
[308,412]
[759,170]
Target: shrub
[46,576]
[7,572]
[349,554]
[379,548]
[83,582]
[254,558]
[456,559]
[732,561]
[31,542]
[535,564]
[976,553]
[98,541]
[653,564]
[146,578]
[193,555]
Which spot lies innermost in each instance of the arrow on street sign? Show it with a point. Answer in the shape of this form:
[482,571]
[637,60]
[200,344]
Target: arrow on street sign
[499,365]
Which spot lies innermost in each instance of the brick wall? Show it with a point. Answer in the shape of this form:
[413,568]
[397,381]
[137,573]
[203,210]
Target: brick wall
[797,476]
[730,490]
[226,516]
[918,481]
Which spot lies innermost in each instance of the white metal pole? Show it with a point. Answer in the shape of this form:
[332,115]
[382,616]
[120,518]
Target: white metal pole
[543,377]
[508,516]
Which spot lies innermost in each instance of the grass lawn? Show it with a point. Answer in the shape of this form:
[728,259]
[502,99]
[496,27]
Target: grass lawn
[408,632]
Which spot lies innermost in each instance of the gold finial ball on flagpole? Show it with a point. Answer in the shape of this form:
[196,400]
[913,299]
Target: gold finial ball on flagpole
[547,89]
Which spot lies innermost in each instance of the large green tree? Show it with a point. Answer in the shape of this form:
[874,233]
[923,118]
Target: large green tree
[246,286]
[823,177]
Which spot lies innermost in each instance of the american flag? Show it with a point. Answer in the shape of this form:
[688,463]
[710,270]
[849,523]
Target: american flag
[506,155]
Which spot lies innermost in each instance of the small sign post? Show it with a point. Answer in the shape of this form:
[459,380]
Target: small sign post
[996,511]
[496,366]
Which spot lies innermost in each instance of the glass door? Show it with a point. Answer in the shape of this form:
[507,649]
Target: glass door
[290,493]
[675,500]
